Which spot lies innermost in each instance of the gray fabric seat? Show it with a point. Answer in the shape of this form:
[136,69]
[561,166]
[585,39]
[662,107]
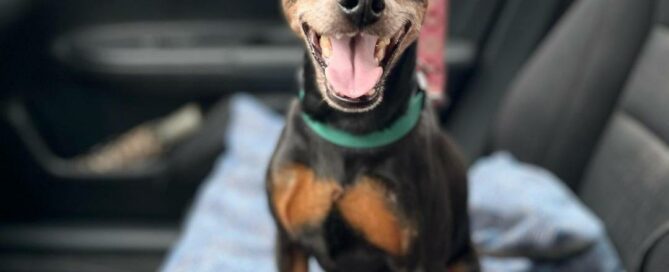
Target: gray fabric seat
[592,105]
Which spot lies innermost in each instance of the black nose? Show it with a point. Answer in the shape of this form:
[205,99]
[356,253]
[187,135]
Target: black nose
[362,12]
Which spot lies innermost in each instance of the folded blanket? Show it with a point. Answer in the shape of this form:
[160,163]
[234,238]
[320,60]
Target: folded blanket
[523,218]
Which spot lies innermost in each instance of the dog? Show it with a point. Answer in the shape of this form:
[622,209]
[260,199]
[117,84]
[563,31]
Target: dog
[362,178]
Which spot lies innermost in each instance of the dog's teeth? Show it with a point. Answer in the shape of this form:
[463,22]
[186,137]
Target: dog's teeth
[338,36]
[380,52]
[379,55]
[371,92]
[384,42]
[313,36]
[326,46]
[352,34]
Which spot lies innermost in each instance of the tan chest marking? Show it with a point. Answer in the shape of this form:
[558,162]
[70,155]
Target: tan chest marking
[301,200]
[368,208]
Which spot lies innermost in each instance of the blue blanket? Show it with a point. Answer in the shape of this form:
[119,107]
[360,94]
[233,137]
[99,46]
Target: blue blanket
[523,218]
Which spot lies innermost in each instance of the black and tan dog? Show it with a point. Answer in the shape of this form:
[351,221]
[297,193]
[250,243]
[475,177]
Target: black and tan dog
[362,178]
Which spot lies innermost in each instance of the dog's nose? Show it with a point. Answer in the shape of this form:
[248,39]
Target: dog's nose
[362,12]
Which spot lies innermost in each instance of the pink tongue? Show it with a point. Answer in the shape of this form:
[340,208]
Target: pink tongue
[351,69]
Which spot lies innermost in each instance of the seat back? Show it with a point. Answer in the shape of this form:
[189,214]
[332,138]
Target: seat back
[593,107]
[559,104]
[627,181]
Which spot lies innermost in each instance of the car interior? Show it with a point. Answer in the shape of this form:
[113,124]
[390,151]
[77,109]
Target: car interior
[580,88]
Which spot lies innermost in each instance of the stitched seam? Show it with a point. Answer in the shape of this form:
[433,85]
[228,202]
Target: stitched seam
[637,121]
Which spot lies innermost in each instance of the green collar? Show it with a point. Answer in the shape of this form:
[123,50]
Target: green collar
[396,131]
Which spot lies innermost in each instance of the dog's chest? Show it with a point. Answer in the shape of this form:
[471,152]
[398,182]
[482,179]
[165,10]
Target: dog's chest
[303,202]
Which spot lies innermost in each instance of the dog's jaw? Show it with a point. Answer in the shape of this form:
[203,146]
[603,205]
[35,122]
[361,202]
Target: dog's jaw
[399,85]
[352,67]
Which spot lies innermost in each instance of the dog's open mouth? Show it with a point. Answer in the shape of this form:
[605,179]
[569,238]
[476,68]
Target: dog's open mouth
[354,64]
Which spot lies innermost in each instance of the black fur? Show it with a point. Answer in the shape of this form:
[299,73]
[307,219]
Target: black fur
[423,169]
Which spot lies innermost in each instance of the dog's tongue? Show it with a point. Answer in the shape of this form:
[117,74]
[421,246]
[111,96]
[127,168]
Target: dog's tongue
[351,68]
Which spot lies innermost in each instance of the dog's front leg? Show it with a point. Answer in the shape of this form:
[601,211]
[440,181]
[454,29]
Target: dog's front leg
[289,256]
[468,263]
